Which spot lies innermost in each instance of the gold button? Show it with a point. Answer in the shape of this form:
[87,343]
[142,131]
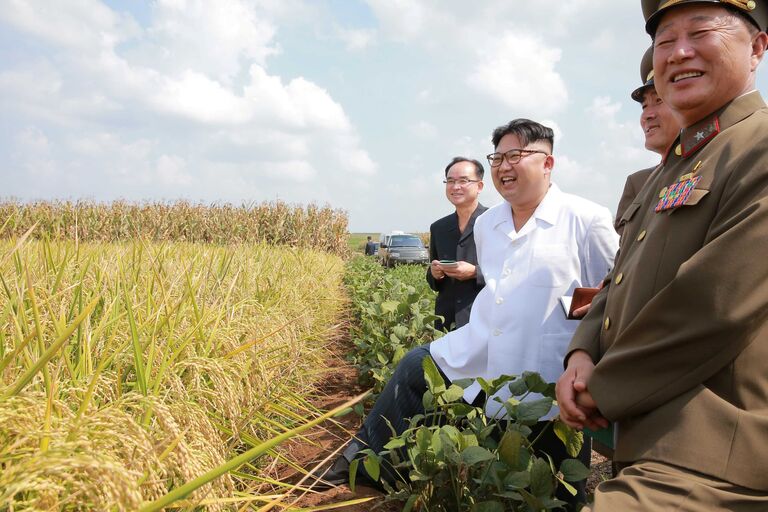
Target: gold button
[607,323]
[619,278]
[678,150]
[751,5]
[663,192]
[641,236]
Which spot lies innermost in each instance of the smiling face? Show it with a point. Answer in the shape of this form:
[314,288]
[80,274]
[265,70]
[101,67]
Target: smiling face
[659,124]
[525,183]
[462,195]
[704,56]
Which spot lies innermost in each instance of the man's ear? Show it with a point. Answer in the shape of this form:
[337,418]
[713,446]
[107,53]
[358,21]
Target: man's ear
[759,46]
[480,186]
[549,162]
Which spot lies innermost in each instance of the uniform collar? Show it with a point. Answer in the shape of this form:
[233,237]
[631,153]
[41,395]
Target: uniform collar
[698,135]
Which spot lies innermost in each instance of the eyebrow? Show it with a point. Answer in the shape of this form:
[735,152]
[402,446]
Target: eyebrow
[699,18]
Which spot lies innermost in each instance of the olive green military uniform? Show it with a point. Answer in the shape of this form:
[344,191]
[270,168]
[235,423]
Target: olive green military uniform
[680,330]
[683,318]
[679,333]
[632,187]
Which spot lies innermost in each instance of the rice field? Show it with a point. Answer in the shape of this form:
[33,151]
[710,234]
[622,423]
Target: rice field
[130,368]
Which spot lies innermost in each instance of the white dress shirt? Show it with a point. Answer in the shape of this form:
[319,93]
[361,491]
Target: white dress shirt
[517,323]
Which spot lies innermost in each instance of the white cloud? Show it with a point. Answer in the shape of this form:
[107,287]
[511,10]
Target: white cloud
[424,130]
[357,39]
[170,170]
[519,72]
[174,104]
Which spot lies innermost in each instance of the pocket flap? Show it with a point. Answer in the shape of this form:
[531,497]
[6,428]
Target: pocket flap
[695,196]
[629,213]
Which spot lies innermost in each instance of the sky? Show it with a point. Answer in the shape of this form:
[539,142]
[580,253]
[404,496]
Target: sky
[356,104]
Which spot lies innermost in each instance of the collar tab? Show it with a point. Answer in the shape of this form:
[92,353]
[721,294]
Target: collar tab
[697,136]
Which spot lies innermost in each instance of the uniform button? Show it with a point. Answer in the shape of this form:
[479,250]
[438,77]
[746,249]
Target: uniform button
[607,323]
[678,150]
[499,300]
[619,278]
[641,236]
[496,332]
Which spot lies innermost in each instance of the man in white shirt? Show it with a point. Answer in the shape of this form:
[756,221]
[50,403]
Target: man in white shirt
[536,246]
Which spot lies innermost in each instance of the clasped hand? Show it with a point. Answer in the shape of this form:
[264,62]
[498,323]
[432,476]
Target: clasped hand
[577,407]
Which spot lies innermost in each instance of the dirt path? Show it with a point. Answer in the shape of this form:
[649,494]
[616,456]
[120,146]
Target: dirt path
[339,385]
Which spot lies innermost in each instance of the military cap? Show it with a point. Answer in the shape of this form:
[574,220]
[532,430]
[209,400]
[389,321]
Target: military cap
[646,75]
[755,10]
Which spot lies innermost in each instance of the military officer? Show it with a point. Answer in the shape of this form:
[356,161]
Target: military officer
[674,347]
[659,128]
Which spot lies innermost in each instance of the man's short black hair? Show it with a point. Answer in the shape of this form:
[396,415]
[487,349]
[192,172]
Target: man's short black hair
[479,169]
[526,130]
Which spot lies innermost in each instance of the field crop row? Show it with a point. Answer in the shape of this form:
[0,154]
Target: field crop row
[128,369]
[394,312]
[322,228]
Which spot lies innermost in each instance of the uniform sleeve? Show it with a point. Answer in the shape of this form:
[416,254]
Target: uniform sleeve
[435,284]
[704,317]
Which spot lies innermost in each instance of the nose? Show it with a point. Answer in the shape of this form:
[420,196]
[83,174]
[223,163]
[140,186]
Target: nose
[649,114]
[681,51]
[505,165]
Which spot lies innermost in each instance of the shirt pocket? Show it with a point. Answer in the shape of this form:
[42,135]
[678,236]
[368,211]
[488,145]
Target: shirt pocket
[551,265]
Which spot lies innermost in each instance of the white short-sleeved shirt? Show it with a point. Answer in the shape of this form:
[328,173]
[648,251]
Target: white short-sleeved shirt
[517,323]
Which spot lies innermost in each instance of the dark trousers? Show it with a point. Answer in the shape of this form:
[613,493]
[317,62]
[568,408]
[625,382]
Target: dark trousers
[401,399]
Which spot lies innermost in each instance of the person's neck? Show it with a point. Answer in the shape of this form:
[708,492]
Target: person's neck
[464,212]
[521,213]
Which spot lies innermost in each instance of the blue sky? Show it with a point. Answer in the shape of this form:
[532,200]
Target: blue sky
[356,104]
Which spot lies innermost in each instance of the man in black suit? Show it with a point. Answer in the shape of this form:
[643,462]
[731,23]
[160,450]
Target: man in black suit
[450,238]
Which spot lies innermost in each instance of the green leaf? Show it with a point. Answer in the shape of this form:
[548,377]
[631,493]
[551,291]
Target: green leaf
[518,387]
[518,480]
[509,448]
[453,393]
[423,439]
[389,306]
[437,442]
[432,374]
[533,502]
[488,506]
[476,454]
[572,439]
[353,473]
[428,400]
[534,382]
[542,480]
[573,470]
[568,487]
[529,412]
[395,443]
[372,467]
[411,501]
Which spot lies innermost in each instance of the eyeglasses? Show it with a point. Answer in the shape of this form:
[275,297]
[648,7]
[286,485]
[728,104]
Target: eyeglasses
[462,182]
[512,156]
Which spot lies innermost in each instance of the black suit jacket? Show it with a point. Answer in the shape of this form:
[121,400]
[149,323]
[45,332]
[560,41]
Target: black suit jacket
[454,297]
